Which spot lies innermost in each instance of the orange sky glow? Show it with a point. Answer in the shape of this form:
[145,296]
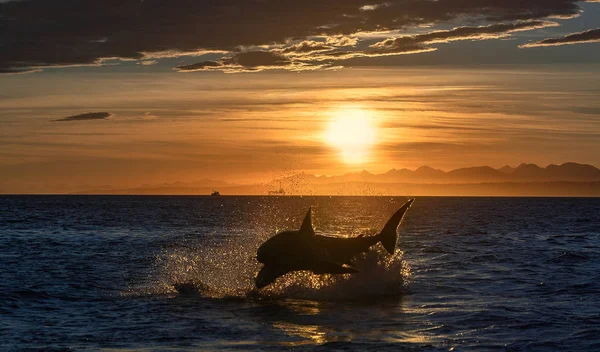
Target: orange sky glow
[248,128]
[225,94]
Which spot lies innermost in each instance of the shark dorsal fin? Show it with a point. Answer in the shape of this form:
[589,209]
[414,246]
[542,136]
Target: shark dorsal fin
[306,228]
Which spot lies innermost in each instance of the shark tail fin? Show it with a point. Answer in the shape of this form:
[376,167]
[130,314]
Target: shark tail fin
[389,235]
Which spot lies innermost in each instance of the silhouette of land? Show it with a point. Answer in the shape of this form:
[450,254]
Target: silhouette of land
[569,179]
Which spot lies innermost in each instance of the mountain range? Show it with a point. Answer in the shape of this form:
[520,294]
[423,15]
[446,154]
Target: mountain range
[568,179]
[571,172]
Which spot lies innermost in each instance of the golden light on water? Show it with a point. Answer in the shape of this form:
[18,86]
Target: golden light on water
[353,132]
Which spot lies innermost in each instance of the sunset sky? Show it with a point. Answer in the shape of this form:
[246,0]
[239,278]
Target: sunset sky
[125,93]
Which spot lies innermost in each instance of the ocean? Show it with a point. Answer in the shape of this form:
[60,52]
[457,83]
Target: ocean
[160,273]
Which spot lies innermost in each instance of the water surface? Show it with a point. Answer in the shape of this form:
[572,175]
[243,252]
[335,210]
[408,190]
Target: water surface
[103,272]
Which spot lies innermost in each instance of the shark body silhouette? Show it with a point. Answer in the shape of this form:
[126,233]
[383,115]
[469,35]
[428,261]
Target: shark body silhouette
[300,250]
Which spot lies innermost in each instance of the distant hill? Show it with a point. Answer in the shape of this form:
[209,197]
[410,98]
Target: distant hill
[526,179]
[571,172]
[568,179]
[507,169]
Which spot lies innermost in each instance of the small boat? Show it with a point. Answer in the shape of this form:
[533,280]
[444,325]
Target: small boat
[215,193]
[278,192]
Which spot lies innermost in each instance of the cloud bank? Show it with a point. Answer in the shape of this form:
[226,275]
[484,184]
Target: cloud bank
[591,36]
[253,35]
[86,117]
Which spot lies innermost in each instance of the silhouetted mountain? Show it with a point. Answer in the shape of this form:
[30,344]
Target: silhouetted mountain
[427,171]
[529,172]
[569,179]
[364,176]
[475,174]
[507,169]
[571,172]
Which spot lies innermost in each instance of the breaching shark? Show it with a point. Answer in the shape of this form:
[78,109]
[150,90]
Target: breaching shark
[289,251]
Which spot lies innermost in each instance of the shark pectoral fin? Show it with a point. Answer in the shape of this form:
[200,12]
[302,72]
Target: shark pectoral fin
[323,267]
[389,235]
[306,228]
[267,275]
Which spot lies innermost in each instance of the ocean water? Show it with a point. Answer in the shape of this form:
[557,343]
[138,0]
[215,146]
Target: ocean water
[121,273]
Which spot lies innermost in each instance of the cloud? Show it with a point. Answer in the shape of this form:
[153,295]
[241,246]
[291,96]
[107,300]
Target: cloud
[44,33]
[323,44]
[494,31]
[372,7]
[253,59]
[86,117]
[147,62]
[176,53]
[200,66]
[341,41]
[373,52]
[312,54]
[306,47]
[246,61]
[420,43]
[589,36]
[18,70]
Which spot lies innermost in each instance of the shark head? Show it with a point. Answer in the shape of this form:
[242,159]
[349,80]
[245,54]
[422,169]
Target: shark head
[267,275]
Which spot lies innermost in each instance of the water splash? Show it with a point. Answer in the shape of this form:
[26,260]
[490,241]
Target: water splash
[227,270]
[380,274]
[221,261]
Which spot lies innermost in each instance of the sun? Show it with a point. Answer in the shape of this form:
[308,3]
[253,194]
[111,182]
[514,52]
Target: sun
[352,131]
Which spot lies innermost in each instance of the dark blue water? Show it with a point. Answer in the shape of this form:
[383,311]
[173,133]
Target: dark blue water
[175,273]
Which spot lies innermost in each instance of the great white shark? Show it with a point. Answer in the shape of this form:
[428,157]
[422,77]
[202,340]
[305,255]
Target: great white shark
[299,250]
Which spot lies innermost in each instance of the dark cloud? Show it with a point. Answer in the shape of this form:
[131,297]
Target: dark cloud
[461,33]
[372,52]
[241,62]
[18,70]
[590,36]
[253,59]
[422,42]
[86,116]
[44,33]
[200,66]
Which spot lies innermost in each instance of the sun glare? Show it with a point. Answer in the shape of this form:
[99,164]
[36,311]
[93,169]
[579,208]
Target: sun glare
[353,133]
